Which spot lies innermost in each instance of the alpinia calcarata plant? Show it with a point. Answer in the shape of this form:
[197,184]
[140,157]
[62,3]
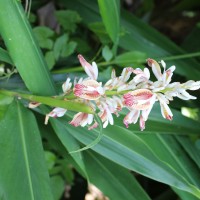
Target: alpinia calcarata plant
[136,93]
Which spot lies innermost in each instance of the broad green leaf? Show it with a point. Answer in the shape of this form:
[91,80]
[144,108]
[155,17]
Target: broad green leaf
[114,181]
[68,19]
[4,56]
[43,35]
[130,58]
[110,13]
[23,49]
[23,172]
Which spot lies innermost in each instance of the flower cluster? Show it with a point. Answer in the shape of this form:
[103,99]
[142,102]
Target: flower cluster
[132,90]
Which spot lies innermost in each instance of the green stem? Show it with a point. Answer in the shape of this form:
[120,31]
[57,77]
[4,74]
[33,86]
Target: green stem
[52,101]
[102,64]
[184,56]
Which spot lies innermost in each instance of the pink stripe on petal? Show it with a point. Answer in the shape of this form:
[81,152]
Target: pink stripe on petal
[78,119]
[138,99]
[89,89]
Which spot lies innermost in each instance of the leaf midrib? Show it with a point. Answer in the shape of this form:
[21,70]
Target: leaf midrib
[24,147]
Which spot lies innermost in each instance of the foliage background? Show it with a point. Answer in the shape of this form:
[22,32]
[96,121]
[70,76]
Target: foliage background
[37,54]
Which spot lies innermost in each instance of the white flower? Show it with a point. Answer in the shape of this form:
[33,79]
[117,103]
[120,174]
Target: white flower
[56,112]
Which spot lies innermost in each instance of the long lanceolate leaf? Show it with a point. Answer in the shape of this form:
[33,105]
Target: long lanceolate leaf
[133,152]
[105,174]
[23,49]
[140,37]
[110,13]
[23,173]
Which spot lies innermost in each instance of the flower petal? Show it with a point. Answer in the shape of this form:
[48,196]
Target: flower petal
[131,117]
[89,89]
[56,112]
[79,119]
[155,68]
[138,99]
[66,86]
[91,70]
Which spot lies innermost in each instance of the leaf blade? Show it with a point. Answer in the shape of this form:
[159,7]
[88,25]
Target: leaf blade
[22,145]
[111,17]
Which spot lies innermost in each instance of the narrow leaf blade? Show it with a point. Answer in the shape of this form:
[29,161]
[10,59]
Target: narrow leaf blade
[23,173]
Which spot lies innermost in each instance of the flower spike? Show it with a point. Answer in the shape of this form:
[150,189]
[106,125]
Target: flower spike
[132,90]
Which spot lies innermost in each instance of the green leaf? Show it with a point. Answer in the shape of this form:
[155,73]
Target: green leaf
[99,29]
[94,142]
[172,153]
[5,101]
[50,159]
[110,13]
[59,45]
[185,195]
[130,58]
[68,49]
[190,148]
[114,181]
[58,186]
[192,41]
[127,149]
[68,141]
[49,57]
[4,56]
[140,37]
[43,35]
[23,49]
[107,53]
[24,163]
[94,165]
[68,19]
